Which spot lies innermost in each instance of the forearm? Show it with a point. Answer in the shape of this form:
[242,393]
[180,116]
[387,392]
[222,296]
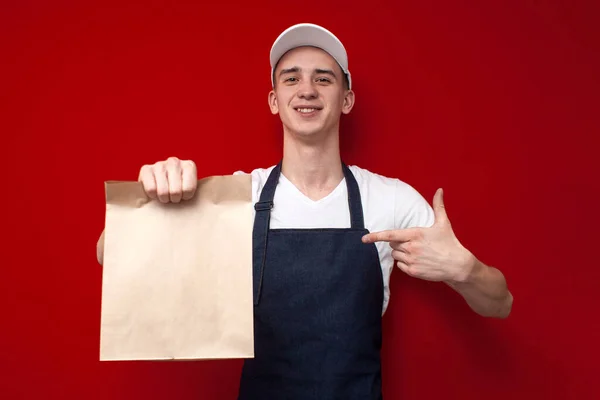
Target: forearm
[100,249]
[485,291]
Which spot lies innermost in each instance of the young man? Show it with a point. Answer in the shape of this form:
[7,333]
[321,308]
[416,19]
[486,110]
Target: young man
[326,237]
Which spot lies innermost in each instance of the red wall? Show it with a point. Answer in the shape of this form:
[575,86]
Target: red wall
[497,102]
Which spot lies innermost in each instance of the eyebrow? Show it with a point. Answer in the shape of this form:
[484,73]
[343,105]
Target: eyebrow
[289,70]
[298,69]
[326,71]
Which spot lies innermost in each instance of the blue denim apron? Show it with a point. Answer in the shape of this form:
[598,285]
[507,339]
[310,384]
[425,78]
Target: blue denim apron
[318,297]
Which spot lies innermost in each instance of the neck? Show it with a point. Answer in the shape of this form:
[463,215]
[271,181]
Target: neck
[314,167]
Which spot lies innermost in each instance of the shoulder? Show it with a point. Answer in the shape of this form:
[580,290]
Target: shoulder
[409,207]
[259,178]
[371,180]
[259,174]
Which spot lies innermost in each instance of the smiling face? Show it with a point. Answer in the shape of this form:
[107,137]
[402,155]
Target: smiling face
[310,93]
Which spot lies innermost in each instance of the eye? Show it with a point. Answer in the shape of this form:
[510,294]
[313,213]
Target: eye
[290,79]
[323,79]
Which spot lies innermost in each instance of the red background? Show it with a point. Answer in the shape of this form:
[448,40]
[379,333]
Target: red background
[496,102]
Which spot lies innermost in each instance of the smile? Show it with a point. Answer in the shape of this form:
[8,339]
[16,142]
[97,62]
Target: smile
[307,111]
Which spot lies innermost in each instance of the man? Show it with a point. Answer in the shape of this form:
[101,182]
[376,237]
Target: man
[320,277]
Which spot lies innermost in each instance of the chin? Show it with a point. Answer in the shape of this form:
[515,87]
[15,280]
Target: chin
[306,133]
[307,129]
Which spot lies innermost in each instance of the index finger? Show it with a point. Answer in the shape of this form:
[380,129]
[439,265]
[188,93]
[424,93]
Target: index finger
[395,235]
[148,181]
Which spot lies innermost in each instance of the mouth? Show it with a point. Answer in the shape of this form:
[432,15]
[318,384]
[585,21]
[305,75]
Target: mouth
[307,111]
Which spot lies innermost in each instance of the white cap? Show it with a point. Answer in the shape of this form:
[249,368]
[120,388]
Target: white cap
[310,35]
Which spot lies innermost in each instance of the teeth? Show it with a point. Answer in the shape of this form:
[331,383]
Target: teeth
[306,110]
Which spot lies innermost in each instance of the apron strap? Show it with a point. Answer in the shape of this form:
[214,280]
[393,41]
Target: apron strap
[263,216]
[354,202]
[261,229]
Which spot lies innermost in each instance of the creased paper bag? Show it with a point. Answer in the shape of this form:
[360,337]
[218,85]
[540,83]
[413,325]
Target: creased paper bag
[177,277]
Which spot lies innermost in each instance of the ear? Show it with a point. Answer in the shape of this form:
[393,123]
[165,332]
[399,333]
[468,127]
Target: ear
[273,102]
[348,102]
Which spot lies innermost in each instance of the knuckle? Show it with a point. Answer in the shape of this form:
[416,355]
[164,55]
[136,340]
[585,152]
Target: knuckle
[144,171]
[173,162]
[174,184]
[175,187]
[188,191]
[149,186]
[162,192]
[189,184]
[188,194]
[417,249]
[159,166]
[188,165]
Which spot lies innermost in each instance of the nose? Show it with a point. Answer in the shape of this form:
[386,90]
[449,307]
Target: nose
[307,89]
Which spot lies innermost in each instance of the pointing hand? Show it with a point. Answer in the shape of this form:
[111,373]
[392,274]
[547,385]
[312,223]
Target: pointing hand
[432,253]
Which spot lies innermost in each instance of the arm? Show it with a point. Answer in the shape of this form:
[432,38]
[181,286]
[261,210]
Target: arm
[100,249]
[434,253]
[485,290]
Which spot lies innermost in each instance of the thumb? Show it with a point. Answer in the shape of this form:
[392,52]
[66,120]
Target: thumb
[439,209]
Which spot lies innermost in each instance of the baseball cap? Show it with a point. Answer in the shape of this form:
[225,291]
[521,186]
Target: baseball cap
[306,34]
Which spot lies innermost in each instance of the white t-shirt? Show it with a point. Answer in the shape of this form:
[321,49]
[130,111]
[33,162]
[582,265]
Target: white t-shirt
[388,203]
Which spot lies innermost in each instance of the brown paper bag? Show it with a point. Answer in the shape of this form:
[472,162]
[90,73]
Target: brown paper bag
[177,278]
